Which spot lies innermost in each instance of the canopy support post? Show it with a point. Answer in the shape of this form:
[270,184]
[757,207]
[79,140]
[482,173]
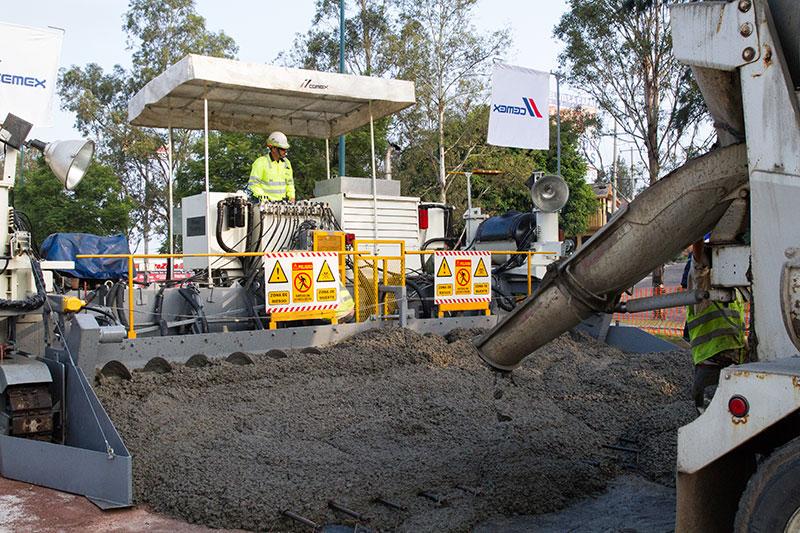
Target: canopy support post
[327,159]
[170,261]
[374,175]
[208,192]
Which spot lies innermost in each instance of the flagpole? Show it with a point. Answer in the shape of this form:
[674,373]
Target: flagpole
[558,124]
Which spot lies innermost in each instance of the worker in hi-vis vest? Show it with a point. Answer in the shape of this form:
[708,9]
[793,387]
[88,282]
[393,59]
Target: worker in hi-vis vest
[271,178]
[716,330]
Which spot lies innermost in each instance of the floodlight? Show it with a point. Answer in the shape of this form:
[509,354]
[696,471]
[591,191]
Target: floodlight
[550,193]
[67,159]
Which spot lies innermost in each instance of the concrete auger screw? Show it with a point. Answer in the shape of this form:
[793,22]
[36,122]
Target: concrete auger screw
[745,5]
[746,29]
[748,53]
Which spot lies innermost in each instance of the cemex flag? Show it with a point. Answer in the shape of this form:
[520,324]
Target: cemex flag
[518,116]
[29,60]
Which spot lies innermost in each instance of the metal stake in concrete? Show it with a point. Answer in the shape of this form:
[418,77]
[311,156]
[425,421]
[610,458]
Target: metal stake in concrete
[297,518]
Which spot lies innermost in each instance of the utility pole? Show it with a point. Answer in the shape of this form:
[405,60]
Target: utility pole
[632,178]
[614,173]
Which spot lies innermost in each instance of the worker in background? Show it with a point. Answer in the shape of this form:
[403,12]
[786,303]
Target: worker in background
[716,331]
[345,307]
[271,178]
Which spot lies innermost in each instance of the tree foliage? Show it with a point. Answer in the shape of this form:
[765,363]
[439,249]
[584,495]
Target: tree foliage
[159,33]
[438,47]
[97,205]
[620,52]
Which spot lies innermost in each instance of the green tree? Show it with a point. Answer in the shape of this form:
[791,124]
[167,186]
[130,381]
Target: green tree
[159,33]
[232,155]
[497,194]
[97,205]
[620,52]
[368,31]
[438,47]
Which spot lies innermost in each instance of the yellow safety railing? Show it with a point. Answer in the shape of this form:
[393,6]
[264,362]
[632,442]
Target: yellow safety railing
[499,252]
[371,293]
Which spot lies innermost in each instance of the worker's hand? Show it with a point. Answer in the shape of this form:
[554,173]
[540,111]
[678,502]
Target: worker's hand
[291,200]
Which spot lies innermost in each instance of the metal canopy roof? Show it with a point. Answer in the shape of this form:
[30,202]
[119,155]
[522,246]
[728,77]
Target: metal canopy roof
[252,97]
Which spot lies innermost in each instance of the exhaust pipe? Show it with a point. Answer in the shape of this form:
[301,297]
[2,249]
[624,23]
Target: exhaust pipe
[671,214]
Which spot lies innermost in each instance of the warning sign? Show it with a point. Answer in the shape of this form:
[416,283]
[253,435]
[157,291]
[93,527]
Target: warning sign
[463,277]
[277,276]
[481,288]
[467,282]
[480,270]
[325,273]
[301,282]
[444,269]
[278,297]
[327,294]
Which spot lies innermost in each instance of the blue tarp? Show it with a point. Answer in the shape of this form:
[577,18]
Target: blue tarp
[65,246]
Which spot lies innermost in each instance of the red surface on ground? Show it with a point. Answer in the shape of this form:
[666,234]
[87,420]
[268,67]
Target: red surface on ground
[25,507]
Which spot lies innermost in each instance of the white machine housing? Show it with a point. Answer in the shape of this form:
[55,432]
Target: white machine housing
[198,227]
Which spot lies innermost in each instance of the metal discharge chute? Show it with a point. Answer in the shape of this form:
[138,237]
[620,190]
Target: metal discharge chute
[664,219]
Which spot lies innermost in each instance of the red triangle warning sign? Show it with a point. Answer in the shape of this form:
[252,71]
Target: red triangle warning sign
[480,270]
[278,275]
[444,269]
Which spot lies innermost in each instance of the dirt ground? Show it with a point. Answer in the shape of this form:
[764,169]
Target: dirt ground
[392,414]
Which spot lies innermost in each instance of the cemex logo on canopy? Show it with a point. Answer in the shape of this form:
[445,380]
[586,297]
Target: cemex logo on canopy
[529,109]
[19,79]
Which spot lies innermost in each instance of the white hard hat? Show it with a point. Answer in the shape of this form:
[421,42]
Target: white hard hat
[278,139]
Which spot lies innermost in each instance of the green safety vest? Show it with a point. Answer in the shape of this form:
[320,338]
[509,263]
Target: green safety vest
[271,180]
[346,303]
[715,329]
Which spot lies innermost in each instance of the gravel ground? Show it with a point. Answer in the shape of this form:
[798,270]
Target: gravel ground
[390,413]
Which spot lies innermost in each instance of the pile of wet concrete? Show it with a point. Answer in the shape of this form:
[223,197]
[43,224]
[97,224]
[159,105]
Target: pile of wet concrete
[410,431]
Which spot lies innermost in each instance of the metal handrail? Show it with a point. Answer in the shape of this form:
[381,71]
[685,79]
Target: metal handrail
[358,255]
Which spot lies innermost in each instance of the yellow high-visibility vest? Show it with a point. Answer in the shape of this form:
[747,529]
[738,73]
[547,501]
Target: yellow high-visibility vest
[271,180]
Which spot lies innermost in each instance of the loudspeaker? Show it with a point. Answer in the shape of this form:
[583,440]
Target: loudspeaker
[550,193]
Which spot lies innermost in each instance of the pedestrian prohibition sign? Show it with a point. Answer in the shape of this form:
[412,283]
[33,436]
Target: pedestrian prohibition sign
[302,282]
[464,277]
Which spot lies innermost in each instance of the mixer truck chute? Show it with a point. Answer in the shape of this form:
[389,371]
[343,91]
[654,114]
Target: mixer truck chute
[737,462]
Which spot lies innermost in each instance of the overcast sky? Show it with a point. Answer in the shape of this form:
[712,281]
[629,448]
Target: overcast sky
[261,28]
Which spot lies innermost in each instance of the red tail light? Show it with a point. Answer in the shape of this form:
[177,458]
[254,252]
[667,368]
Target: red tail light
[738,406]
[349,238]
[423,218]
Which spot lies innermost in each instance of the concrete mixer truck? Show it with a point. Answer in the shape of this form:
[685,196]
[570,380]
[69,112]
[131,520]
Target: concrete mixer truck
[738,462]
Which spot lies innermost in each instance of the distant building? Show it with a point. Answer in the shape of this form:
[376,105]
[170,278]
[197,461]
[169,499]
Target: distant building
[601,216]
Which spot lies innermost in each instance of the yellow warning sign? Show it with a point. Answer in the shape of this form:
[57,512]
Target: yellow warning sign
[481,288]
[325,273]
[278,275]
[302,282]
[327,294]
[278,297]
[480,270]
[444,269]
[445,289]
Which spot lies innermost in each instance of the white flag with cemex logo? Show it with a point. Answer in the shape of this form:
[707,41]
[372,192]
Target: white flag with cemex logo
[518,113]
[29,60]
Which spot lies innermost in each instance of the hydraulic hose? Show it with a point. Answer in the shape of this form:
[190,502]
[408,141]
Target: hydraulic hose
[33,302]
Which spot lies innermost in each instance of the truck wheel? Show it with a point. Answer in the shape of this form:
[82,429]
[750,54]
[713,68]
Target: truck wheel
[771,501]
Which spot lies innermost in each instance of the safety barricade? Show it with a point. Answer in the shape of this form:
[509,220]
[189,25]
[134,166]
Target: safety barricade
[301,286]
[368,270]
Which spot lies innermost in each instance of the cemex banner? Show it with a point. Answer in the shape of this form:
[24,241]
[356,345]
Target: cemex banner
[29,60]
[518,113]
